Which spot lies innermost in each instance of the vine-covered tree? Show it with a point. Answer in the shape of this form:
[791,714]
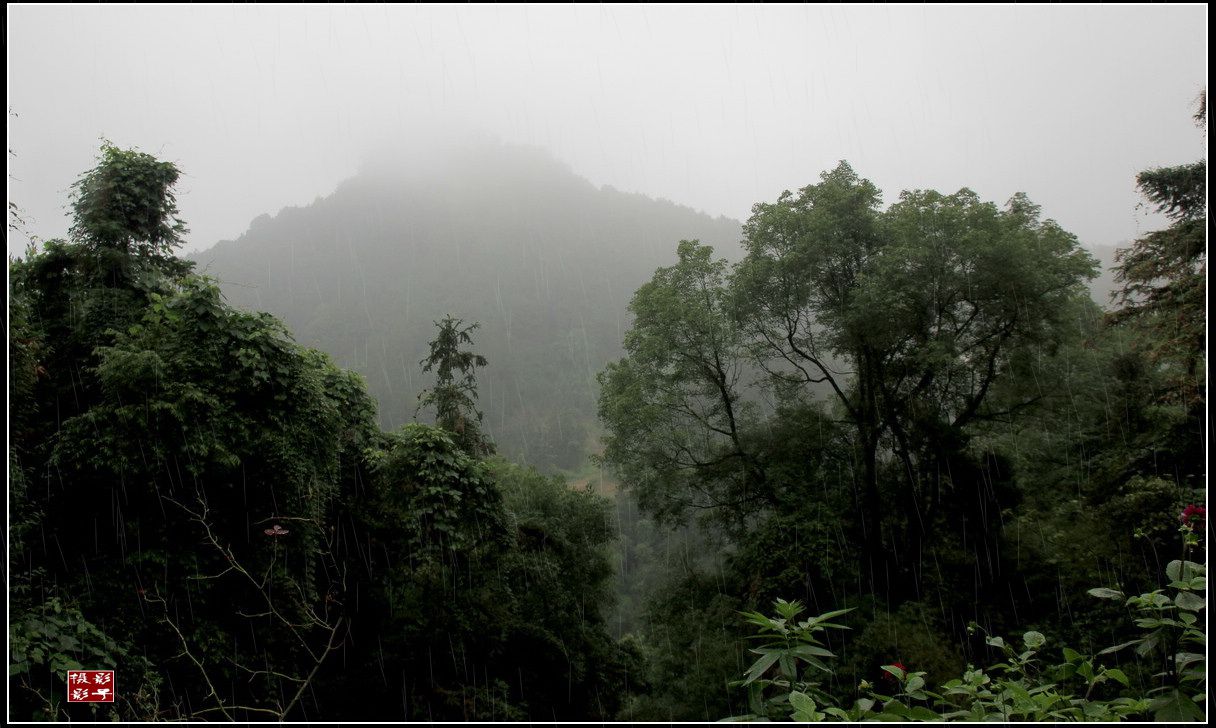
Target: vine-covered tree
[125,213]
[455,392]
[167,434]
[208,507]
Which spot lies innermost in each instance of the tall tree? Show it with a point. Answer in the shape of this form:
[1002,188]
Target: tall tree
[677,425]
[455,392]
[207,507]
[171,438]
[125,213]
[898,320]
[1163,274]
[795,292]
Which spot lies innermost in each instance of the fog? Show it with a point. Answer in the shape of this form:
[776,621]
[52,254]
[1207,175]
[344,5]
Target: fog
[714,107]
[499,379]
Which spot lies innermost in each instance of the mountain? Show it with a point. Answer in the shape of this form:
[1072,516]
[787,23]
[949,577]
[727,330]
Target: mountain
[503,235]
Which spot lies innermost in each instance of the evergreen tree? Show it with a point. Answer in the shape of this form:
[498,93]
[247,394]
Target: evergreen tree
[455,390]
[1163,273]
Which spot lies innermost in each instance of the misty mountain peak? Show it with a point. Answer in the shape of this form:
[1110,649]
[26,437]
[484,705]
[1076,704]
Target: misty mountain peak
[503,234]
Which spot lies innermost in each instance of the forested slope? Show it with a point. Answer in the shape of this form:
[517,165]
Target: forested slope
[486,232]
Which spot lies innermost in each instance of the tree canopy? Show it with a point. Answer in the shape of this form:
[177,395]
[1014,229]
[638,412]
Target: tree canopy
[893,323]
[1164,273]
[209,508]
[907,418]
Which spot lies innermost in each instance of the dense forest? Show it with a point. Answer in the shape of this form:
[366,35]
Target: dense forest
[600,457]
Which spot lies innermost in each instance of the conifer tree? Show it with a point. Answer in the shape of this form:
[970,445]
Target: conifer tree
[1163,273]
[455,390]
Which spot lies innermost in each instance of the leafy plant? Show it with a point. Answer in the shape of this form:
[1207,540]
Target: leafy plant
[1174,627]
[797,651]
[1023,686]
[47,641]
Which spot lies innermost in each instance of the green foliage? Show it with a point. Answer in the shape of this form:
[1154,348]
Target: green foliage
[126,203]
[1174,635]
[912,634]
[455,392]
[206,425]
[444,499]
[245,540]
[26,349]
[210,507]
[520,565]
[437,533]
[1023,686]
[798,651]
[559,571]
[1163,276]
[672,408]
[925,305]
[915,411]
[47,641]
[691,642]
[503,235]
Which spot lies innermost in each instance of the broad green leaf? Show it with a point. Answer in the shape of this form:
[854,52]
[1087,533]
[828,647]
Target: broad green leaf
[896,708]
[1086,670]
[1183,659]
[802,702]
[1147,645]
[1175,707]
[1189,601]
[829,615]
[919,712]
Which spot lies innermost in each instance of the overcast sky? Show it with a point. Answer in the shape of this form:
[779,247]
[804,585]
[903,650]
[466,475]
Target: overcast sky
[715,107]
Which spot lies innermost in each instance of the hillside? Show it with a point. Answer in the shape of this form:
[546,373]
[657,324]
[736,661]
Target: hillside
[502,235]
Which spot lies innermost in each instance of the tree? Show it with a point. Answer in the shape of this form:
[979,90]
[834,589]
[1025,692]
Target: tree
[677,424]
[455,389]
[170,438]
[795,293]
[1164,274]
[126,217]
[882,330]
[127,203]
[209,508]
[908,315]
